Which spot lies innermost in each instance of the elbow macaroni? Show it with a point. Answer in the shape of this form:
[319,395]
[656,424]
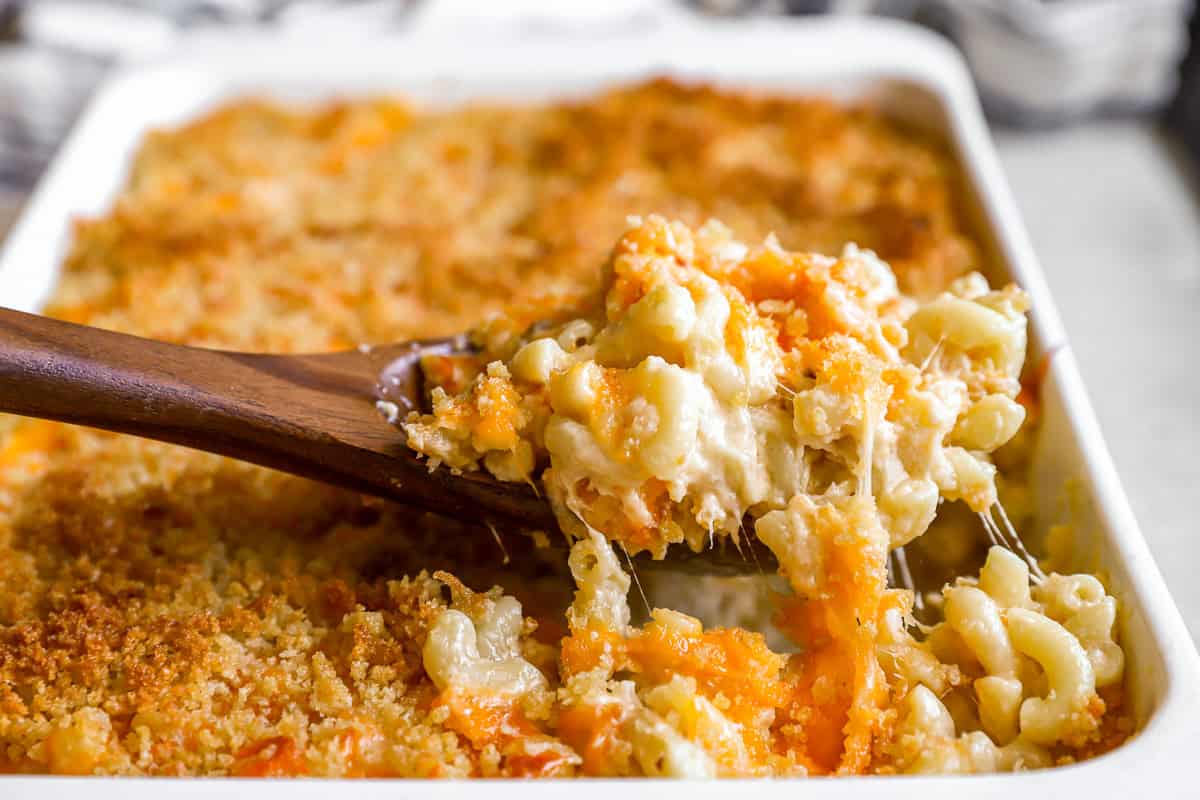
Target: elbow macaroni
[1031,656]
[480,651]
[1064,713]
[1080,603]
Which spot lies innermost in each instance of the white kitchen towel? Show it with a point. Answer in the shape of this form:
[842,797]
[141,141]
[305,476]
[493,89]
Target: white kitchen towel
[1053,60]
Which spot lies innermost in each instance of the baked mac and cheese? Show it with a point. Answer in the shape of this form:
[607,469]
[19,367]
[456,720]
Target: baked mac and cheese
[168,612]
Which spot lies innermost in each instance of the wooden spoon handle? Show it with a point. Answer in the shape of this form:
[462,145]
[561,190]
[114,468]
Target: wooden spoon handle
[222,402]
[87,376]
[309,415]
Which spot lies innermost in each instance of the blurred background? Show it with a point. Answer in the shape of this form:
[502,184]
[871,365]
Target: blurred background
[1095,108]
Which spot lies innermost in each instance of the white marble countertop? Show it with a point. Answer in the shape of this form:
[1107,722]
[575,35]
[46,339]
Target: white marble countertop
[1117,229]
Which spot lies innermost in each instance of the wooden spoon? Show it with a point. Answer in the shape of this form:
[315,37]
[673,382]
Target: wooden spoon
[310,415]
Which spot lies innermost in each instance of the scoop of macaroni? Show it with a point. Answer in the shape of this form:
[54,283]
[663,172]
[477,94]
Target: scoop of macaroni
[710,381]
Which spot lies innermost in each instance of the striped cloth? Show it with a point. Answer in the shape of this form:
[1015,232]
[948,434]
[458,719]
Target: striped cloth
[54,53]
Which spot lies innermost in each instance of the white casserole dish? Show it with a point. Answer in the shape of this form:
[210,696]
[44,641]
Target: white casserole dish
[906,71]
